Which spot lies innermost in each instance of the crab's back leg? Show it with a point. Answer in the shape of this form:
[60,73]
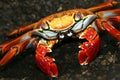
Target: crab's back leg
[23,29]
[114,19]
[6,46]
[108,13]
[103,24]
[15,47]
[106,21]
[103,6]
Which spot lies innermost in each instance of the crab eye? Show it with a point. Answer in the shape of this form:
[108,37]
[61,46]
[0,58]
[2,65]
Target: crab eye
[77,16]
[44,26]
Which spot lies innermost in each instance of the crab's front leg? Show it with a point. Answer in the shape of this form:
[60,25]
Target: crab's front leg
[46,63]
[89,48]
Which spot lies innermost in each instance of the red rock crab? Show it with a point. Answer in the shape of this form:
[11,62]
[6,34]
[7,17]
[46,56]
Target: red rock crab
[76,23]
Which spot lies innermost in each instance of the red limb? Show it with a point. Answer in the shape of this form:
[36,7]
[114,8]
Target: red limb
[114,19]
[103,6]
[108,13]
[14,50]
[6,46]
[89,48]
[112,30]
[24,29]
[15,47]
[105,25]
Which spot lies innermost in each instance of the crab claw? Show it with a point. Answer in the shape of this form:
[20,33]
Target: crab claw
[88,52]
[45,63]
[89,48]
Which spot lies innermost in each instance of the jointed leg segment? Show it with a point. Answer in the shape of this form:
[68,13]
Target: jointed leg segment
[103,6]
[105,25]
[24,29]
[106,21]
[14,47]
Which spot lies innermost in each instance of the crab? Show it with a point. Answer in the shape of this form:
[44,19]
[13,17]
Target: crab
[76,23]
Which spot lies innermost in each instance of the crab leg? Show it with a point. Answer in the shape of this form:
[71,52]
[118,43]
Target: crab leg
[108,13]
[112,30]
[14,47]
[107,18]
[103,6]
[45,63]
[23,29]
[105,25]
[15,50]
[90,48]
[114,19]
[6,46]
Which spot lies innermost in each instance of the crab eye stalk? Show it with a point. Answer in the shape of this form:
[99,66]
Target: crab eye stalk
[44,26]
[77,16]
